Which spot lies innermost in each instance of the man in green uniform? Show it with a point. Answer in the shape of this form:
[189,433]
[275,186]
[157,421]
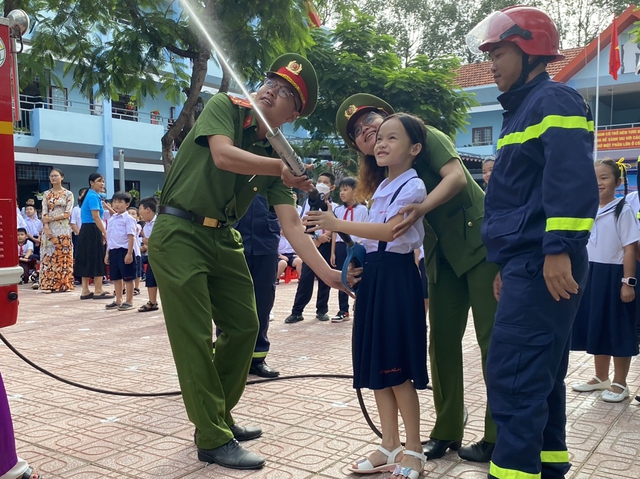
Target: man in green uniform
[459,276]
[198,259]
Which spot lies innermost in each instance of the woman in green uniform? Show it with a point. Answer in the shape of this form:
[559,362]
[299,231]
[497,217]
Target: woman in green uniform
[198,259]
[459,276]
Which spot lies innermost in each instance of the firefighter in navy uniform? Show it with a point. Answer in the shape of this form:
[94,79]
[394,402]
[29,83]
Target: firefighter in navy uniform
[260,232]
[539,209]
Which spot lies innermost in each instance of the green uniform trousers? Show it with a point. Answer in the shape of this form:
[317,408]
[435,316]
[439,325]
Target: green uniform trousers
[449,301]
[202,274]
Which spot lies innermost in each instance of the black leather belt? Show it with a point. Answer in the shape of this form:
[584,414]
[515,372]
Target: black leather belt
[187,215]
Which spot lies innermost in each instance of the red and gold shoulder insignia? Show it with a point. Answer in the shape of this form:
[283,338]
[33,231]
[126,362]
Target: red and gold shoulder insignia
[294,67]
[240,101]
[247,121]
[350,111]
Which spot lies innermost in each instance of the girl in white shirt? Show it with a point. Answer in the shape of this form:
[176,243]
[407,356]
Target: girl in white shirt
[605,323]
[389,334]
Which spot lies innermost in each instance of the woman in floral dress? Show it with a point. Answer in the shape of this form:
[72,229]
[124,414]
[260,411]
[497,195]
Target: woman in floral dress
[56,252]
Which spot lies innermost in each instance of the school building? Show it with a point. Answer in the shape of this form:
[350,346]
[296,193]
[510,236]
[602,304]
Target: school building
[616,101]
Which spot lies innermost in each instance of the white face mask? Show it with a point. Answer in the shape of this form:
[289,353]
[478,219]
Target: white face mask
[322,188]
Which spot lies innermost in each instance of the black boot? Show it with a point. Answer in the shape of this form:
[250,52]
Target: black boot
[477,452]
[435,448]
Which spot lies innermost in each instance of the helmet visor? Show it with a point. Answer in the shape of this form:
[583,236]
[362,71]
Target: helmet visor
[489,30]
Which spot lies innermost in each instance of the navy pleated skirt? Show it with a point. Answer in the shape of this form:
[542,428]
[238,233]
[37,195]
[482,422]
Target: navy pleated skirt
[389,329]
[604,324]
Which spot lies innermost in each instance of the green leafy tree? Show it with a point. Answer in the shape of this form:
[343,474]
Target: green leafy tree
[357,57]
[149,48]
[580,21]
[438,27]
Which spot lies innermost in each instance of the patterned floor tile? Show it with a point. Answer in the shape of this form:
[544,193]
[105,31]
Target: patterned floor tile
[312,427]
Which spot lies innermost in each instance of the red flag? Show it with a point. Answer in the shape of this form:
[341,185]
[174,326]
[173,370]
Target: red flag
[313,14]
[614,53]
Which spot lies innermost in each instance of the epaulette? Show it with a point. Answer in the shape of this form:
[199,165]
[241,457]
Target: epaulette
[240,101]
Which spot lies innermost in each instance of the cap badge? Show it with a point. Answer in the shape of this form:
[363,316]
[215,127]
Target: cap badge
[294,67]
[350,111]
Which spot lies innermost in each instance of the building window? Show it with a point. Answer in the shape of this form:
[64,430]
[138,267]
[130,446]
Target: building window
[59,100]
[129,185]
[482,136]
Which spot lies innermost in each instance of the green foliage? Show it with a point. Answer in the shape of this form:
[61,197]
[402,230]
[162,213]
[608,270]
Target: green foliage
[253,33]
[111,47]
[358,57]
[142,48]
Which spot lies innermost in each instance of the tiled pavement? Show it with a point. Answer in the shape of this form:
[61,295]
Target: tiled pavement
[312,427]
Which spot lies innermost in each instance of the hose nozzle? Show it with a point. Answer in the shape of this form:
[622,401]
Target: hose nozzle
[286,153]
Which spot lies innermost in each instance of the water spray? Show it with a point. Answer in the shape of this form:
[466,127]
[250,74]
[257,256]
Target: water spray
[194,18]
[274,136]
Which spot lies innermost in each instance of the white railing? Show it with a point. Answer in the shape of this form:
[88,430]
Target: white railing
[50,103]
[29,103]
[619,126]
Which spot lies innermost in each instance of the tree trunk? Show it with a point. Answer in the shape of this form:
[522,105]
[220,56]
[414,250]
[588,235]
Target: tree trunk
[12,5]
[225,83]
[185,120]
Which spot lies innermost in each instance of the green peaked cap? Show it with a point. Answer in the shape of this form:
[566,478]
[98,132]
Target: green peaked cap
[299,72]
[354,107]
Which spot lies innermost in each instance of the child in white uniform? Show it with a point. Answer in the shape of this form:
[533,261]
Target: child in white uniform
[350,210]
[389,334]
[605,323]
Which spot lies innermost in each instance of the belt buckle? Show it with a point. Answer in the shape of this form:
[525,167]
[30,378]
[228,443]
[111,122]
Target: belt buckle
[211,223]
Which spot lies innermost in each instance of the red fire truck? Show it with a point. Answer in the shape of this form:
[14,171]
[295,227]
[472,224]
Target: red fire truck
[11,30]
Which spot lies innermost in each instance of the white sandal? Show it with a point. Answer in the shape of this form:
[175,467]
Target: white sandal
[610,396]
[364,465]
[408,472]
[586,387]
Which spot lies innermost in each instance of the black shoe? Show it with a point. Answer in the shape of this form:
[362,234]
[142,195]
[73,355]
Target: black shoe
[263,370]
[245,433]
[322,317]
[231,455]
[240,433]
[294,318]
[435,448]
[477,452]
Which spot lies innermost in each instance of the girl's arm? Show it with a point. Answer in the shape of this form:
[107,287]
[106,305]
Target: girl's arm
[302,245]
[628,293]
[108,207]
[453,182]
[375,231]
[333,249]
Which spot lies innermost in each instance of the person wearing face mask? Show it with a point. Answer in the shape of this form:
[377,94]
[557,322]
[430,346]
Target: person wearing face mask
[91,240]
[459,276]
[322,240]
[539,211]
[197,257]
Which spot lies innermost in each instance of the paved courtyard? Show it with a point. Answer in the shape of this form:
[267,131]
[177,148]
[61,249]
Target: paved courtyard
[313,428]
